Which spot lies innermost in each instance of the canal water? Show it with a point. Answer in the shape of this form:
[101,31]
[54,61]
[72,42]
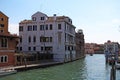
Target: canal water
[89,68]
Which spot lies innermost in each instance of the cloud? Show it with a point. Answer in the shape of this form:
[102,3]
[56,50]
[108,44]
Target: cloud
[13,28]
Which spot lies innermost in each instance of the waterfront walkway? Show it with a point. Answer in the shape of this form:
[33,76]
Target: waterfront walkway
[42,64]
[33,66]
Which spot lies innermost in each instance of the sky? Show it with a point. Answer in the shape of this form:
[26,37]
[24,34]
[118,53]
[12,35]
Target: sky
[99,19]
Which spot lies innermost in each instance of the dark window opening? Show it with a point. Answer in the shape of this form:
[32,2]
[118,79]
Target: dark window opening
[34,27]
[29,39]
[34,48]
[59,26]
[4,42]
[42,18]
[50,26]
[34,39]
[1,25]
[29,28]
[46,27]
[41,27]
[29,48]
[20,48]
[20,28]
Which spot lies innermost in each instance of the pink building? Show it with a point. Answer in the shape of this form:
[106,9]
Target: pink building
[89,48]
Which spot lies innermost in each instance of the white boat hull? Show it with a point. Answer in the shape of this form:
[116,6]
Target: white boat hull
[7,72]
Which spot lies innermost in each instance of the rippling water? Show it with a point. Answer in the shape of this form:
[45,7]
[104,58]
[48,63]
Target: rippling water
[90,68]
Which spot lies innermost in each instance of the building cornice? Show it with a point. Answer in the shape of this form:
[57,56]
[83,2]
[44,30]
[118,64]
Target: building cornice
[7,50]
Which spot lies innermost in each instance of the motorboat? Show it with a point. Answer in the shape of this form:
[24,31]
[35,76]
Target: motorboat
[7,71]
[91,54]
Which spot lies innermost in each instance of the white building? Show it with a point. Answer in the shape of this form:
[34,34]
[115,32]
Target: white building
[111,48]
[44,34]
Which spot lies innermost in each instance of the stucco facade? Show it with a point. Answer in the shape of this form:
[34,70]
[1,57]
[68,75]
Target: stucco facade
[48,34]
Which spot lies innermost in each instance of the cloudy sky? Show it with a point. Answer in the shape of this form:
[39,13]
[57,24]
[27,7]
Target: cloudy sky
[99,19]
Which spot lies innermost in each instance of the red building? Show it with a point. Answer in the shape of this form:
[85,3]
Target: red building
[8,43]
[80,51]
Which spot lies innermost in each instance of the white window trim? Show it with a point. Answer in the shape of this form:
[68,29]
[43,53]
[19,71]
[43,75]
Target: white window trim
[4,58]
[6,45]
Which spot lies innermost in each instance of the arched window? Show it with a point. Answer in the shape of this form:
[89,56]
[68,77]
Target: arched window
[34,39]
[29,39]
[3,59]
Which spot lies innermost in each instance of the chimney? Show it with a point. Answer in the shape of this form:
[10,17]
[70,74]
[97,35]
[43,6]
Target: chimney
[54,15]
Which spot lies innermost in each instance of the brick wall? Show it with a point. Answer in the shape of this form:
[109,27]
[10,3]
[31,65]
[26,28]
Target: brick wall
[10,60]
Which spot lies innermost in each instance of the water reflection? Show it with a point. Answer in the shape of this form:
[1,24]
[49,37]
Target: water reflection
[90,68]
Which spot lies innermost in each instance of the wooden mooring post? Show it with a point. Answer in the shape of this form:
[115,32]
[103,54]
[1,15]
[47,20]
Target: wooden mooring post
[113,70]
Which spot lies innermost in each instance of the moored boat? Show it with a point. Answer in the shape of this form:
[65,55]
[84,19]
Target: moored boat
[7,71]
[91,54]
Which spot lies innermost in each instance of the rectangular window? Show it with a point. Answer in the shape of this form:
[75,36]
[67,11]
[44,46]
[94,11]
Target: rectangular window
[1,31]
[49,48]
[50,39]
[46,27]
[1,19]
[20,48]
[29,28]
[50,26]
[69,48]
[34,27]
[59,26]
[20,39]
[42,39]
[20,28]
[4,42]
[29,48]
[1,25]
[46,39]
[42,18]
[42,49]
[34,48]
[41,27]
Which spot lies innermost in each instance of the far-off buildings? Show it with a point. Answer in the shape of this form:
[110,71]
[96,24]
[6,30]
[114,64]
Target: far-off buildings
[8,43]
[89,48]
[94,48]
[52,37]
